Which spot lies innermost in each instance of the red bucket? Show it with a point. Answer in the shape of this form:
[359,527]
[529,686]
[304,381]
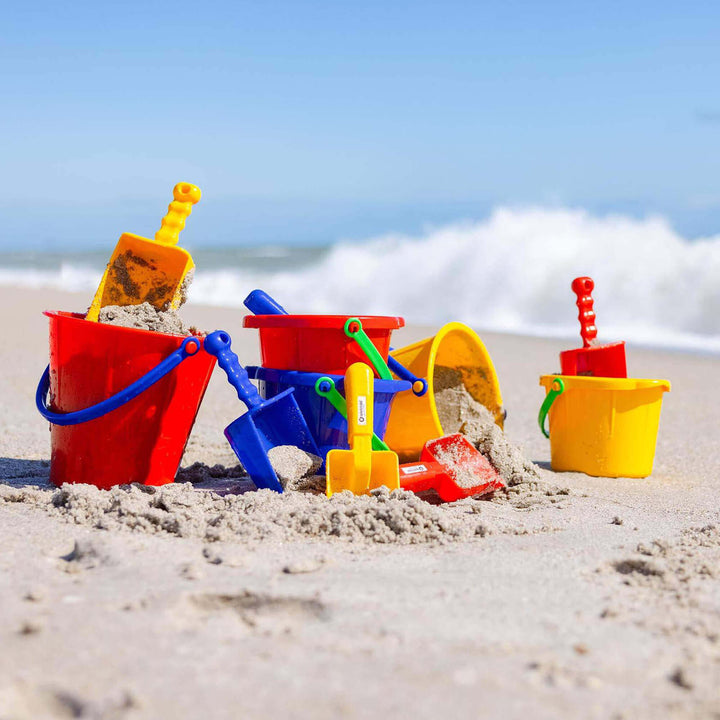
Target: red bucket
[318,343]
[142,440]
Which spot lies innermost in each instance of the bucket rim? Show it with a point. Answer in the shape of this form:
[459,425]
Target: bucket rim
[80,317]
[333,322]
[298,377]
[584,382]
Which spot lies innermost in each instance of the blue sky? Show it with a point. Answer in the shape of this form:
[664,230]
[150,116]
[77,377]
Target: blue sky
[312,121]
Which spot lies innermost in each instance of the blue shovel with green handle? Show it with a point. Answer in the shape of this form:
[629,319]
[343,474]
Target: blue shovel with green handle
[258,302]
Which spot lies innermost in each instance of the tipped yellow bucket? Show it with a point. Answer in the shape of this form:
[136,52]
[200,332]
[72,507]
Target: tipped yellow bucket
[602,426]
[414,420]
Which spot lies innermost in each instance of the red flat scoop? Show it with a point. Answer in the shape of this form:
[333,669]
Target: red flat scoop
[592,359]
[451,467]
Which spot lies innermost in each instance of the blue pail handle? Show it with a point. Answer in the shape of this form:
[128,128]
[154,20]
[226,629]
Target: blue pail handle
[190,346]
[419,385]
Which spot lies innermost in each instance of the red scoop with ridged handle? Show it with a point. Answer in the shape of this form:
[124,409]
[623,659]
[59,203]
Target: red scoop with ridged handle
[592,359]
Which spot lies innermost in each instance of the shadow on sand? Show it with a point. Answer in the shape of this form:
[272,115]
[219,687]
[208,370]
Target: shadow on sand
[25,473]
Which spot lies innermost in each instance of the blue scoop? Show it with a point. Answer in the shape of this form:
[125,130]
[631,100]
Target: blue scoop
[266,424]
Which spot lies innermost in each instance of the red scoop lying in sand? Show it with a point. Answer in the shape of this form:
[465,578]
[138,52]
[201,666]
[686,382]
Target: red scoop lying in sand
[451,467]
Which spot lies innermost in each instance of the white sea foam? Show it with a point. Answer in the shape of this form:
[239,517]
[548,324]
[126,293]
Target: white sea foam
[510,272]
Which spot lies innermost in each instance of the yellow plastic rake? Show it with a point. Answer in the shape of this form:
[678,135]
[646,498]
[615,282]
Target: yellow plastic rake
[361,468]
[143,270]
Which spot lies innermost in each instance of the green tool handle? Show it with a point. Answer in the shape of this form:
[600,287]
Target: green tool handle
[354,329]
[557,388]
[325,387]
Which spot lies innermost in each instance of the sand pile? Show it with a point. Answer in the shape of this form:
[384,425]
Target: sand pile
[460,412]
[179,509]
[507,459]
[145,317]
[293,465]
[220,508]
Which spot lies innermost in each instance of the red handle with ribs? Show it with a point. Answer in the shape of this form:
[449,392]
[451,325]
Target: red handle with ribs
[583,287]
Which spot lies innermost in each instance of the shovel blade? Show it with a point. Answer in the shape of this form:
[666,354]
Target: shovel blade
[384,470]
[251,449]
[280,421]
[345,471]
[467,472]
[360,472]
[142,270]
[600,361]
[277,421]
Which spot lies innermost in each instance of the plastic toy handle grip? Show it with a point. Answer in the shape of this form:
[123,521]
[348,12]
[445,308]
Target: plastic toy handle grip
[218,344]
[258,302]
[185,196]
[325,387]
[557,388]
[583,287]
[190,346]
[354,329]
[360,398]
[419,385]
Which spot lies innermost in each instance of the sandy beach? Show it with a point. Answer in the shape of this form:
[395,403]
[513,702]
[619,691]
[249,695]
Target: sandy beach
[565,597]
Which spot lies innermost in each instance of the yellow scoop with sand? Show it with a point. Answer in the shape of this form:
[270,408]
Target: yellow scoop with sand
[361,468]
[155,271]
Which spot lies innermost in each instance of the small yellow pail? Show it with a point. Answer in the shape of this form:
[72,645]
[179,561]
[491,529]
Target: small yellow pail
[414,420]
[602,426]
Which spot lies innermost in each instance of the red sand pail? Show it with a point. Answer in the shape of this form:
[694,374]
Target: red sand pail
[143,440]
[318,343]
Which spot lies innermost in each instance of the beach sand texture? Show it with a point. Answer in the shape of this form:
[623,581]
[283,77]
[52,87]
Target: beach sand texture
[564,597]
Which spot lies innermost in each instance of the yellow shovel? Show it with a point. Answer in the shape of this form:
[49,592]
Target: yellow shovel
[360,469]
[143,270]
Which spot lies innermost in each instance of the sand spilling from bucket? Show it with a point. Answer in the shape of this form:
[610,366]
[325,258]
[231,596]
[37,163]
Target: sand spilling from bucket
[460,412]
[145,317]
[506,458]
[454,404]
[180,509]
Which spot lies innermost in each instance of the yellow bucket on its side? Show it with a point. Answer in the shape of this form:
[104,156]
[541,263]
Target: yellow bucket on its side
[602,426]
[414,420]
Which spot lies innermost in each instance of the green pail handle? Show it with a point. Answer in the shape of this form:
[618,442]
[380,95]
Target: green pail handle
[557,388]
[354,329]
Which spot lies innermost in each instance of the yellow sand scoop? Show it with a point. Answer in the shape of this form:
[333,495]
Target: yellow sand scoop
[360,469]
[143,270]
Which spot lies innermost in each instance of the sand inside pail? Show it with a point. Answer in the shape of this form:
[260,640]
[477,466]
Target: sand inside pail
[144,317]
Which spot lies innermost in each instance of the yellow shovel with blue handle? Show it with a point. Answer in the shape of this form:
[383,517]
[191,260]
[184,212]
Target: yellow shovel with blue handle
[361,468]
[143,270]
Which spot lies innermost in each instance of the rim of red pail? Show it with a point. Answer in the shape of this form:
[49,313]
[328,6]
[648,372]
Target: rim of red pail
[369,322]
[81,317]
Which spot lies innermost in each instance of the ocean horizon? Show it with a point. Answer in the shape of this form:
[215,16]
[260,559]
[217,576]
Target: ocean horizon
[509,272]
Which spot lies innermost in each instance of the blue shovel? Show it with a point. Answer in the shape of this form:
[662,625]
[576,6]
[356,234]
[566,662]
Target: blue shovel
[258,302]
[266,424]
